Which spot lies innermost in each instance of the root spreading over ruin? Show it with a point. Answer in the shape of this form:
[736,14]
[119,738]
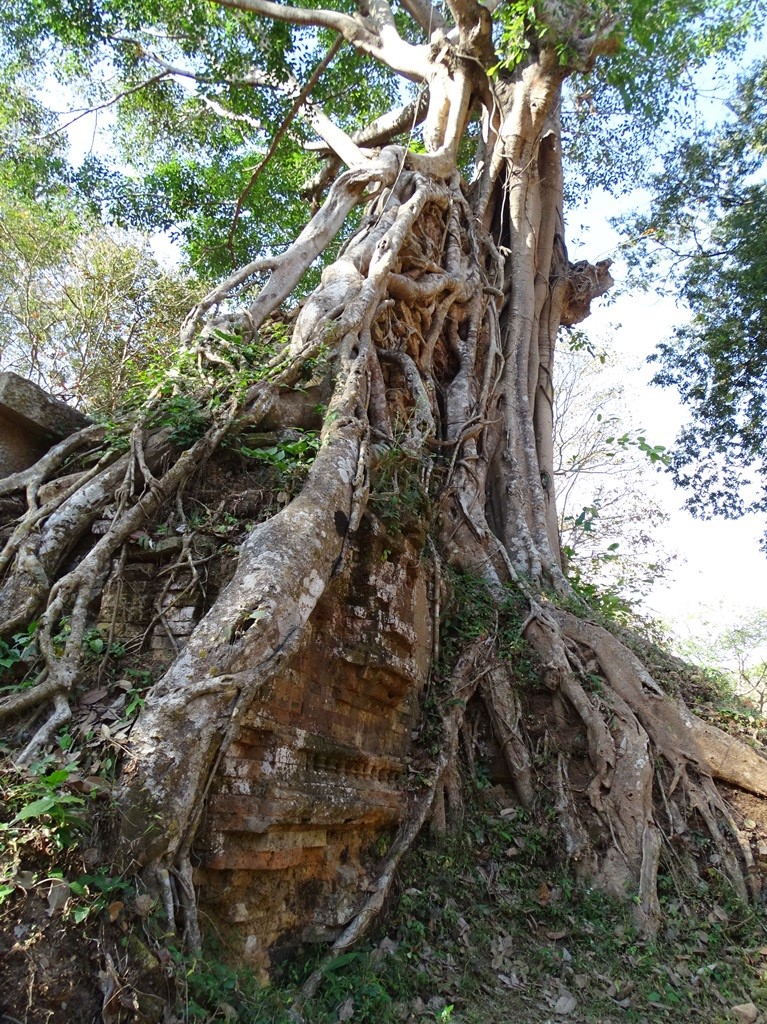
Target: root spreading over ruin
[419,374]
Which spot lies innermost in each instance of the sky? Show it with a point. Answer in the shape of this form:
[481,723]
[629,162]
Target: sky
[720,568]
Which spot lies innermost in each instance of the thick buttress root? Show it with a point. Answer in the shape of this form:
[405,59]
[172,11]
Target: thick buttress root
[655,764]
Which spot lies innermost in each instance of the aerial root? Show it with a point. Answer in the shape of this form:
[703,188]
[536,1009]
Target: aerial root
[504,713]
[61,714]
[32,478]
[72,593]
[676,733]
[628,720]
[644,720]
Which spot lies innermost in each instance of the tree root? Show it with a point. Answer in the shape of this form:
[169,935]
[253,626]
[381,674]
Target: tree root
[678,734]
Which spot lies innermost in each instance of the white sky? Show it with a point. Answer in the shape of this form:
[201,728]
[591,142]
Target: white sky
[720,565]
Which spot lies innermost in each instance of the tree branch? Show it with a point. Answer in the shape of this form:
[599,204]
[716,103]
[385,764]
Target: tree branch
[347,25]
[280,133]
[426,15]
[385,128]
[388,46]
[107,103]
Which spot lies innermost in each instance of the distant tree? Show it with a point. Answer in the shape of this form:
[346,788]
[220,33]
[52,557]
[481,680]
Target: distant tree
[602,474]
[83,309]
[738,649]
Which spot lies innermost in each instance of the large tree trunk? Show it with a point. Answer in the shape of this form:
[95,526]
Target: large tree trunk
[437,326]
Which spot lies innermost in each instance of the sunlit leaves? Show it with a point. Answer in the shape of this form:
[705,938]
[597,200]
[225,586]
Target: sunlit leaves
[194,95]
[708,225]
[82,309]
[647,87]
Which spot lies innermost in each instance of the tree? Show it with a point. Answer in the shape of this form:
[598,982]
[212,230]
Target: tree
[602,467]
[737,650]
[83,310]
[429,340]
[703,230]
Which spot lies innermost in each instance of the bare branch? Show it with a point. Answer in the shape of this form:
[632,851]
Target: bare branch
[107,103]
[425,14]
[230,115]
[388,46]
[387,127]
[280,133]
[336,138]
[348,26]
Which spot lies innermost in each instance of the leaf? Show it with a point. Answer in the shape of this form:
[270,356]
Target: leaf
[340,961]
[36,808]
[346,1010]
[565,1004]
[94,696]
[115,909]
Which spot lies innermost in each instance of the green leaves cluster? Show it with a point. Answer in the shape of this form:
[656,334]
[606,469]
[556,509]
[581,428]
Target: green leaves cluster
[195,96]
[40,807]
[707,224]
[647,88]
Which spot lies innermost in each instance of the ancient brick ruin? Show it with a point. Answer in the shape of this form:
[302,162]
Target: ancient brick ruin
[307,798]
[31,421]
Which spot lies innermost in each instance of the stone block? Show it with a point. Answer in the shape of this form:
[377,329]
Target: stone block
[31,422]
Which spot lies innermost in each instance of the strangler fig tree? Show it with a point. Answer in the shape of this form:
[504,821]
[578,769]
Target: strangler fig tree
[377,190]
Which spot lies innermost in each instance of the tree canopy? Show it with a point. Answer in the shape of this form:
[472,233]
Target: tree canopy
[705,230]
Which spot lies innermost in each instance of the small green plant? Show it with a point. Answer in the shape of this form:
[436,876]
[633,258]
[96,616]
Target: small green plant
[97,647]
[290,455]
[397,495]
[96,892]
[41,809]
[12,654]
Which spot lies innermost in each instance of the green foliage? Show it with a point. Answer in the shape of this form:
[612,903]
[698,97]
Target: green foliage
[647,87]
[82,310]
[33,165]
[288,456]
[397,495]
[524,31]
[40,807]
[196,149]
[708,218]
[11,654]
[607,601]
[472,613]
